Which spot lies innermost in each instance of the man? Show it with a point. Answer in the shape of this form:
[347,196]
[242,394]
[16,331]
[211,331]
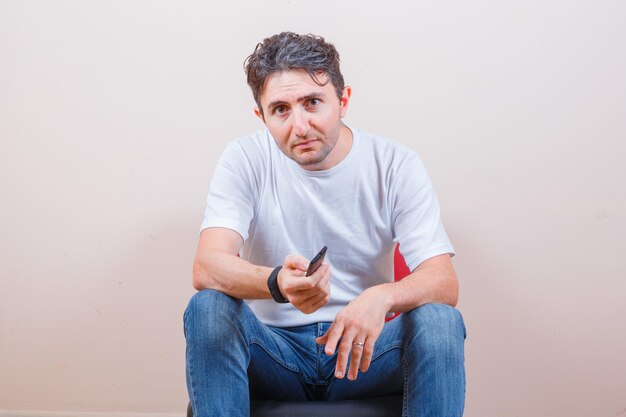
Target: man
[276,198]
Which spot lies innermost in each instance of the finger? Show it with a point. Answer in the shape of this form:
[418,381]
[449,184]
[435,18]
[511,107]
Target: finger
[295,280]
[324,281]
[320,288]
[321,302]
[331,337]
[342,355]
[368,352]
[355,359]
[313,303]
[319,276]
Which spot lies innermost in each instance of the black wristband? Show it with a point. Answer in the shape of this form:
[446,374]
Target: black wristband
[272,284]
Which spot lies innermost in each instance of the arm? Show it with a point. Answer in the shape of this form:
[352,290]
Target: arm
[217,266]
[434,281]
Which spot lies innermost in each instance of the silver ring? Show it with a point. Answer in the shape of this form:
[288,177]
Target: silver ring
[358,344]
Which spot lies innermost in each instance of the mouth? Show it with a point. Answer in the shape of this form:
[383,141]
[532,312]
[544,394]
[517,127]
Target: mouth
[306,144]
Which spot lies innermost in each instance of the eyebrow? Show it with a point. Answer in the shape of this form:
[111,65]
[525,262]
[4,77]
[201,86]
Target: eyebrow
[300,99]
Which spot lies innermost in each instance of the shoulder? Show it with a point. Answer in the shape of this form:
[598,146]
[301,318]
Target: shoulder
[249,152]
[398,168]
[256,144]
[386,152]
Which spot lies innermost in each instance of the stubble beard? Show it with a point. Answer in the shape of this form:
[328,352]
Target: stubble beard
[313,158]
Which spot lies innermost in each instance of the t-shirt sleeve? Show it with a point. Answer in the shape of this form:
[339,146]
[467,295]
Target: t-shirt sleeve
[230,202]
[416,214]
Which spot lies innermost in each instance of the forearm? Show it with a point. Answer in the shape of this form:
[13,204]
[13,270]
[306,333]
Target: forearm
[217,266]
[434,281]
[229,274]
[361,322]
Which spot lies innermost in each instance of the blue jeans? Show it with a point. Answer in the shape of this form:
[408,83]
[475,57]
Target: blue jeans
[233,357]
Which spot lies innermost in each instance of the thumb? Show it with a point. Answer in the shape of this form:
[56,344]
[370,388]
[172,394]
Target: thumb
[296,262]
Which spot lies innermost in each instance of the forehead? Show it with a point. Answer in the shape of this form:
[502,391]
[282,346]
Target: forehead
[291,85]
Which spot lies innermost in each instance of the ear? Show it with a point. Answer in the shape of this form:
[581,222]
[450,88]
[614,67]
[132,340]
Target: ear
[345,99]
[259,114]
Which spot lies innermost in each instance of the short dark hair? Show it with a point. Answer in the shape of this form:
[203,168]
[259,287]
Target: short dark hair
[287,51]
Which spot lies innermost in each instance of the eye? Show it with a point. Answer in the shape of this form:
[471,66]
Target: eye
[280,110]
[312,104]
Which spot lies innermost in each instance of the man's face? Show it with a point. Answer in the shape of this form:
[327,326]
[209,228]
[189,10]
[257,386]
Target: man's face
[305,118]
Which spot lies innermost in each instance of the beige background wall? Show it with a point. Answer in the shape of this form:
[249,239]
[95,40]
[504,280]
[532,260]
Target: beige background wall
[112,116]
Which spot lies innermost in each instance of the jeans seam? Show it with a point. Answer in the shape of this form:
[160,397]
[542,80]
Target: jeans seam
[192,390]
[405,402]
[257,342]
[387,349]
[318,354]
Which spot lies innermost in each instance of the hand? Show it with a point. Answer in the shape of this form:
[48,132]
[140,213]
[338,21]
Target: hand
[358,327]
[307,294]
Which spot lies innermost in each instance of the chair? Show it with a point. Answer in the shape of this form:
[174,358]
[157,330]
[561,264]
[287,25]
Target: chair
[372,407]
[390,406]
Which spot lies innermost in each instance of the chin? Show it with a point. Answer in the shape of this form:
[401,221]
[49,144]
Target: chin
[308,162]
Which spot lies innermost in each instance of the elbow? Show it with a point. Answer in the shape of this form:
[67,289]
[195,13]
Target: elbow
[453,291]
[453,300]
[201,279]
[197,285]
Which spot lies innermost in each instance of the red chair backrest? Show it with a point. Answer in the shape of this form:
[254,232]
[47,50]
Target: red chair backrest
[400,268]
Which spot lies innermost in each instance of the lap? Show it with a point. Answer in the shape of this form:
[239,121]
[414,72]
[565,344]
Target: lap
[287,364]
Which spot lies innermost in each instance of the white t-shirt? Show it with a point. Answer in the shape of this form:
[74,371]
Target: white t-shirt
[379,195]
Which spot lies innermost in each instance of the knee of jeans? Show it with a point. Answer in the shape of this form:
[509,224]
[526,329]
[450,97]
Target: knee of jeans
[436,328]
[209,307]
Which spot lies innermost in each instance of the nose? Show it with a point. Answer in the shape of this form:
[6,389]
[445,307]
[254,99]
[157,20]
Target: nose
[301,123]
